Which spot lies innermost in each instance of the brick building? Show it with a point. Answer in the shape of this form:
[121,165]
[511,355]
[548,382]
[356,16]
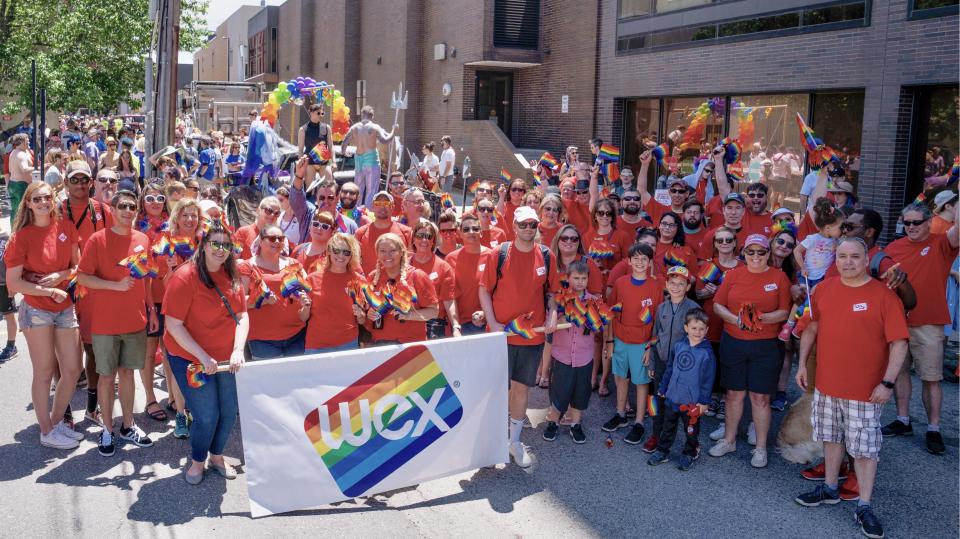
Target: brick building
[223,56]
[877,77]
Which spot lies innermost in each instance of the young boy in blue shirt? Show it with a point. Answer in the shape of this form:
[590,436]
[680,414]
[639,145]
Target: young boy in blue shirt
[685,388]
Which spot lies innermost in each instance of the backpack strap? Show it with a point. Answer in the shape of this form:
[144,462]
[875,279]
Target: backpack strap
[875,261]
[501,259]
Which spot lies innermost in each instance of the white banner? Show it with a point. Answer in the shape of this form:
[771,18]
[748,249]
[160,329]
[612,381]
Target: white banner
[416,412]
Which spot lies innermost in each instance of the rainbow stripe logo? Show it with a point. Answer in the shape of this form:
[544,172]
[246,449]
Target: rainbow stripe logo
[392,413]
[646,316]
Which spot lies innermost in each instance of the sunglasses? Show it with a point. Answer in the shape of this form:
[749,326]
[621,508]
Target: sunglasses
[448,230]
[424,236]
[918,222]
[756,195]
[550,209]
[126,206]
[77,180]
[382,203]
[42,198]
[678,191]
[272,239]
[220,245]
[351,193]
[527,225]
[154,199]
[113,181]
[269,211]
[321,226]
[848,226]
[484,190]
[485,210]
[568,239]
[631,199]
[397,184]
[708,171]
[517,190]
[754,252]
[604,213]
[339,252]
[470,229]
[790,244]
[724,240]
[581,191]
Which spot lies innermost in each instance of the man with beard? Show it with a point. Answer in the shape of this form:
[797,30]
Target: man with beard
[757,219]
[693,228]
[676,187]
[632,217]
[105,186]
[348,205]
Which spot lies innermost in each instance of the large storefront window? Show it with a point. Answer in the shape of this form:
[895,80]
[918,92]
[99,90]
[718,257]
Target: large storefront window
[838,120]
[936,139]
[693,125]
[643,127]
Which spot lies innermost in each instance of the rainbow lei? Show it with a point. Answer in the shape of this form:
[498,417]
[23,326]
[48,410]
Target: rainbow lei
[143,225]
[660,152]
[139,265]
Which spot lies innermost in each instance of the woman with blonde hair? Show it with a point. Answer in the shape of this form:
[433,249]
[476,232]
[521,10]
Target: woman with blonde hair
[335,319]
[41,253]
[393,270]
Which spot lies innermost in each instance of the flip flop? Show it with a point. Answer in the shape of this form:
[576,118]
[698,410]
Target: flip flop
[158,414]
[602,391]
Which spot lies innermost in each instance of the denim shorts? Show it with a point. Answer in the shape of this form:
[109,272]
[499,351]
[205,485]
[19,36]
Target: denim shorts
[351,345]
[32,317]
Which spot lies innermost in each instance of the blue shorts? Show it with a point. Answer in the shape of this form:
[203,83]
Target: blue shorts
[349,345]
[628,358]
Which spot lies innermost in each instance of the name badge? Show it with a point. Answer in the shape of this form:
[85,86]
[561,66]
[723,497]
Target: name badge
[138,248]
[62,237]
[481,267]
[859,307]
[434,276]
[924,251]
[494,243]
[769,287]
[541,271]
[646,302]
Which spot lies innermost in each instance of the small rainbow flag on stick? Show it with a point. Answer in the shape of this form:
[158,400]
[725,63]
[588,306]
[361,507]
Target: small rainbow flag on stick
[505,176]
[320,153]
[609,152]
[195,376]
[139,265]
[473,187]
[74,289]
[711,274]
[163,247]
[537,181]
[549,161]
[671,259]
[521,326]
[921,198]
[660,152]
[375,299]
[263,294]
[646,316]
[294,281]
[653,406]
[183,246]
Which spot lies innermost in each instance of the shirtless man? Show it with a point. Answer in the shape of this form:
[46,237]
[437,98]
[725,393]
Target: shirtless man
[365,136]
[21,167]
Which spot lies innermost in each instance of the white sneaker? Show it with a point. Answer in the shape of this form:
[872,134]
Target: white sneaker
[57,441]
[722,447]
[720,432]
[759,459]
[67,432]
[521,456]
[752,434]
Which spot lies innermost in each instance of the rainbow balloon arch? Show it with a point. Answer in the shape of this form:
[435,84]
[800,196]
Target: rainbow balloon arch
[297,91]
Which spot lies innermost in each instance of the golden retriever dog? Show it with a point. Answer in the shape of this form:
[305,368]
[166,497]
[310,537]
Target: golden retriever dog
[795,440]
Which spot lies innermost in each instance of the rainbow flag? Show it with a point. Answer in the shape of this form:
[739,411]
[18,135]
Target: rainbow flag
[594,320]
[610,171]
[646,316]
[537,181]
[375,299]
[711,274]
[505,176]
[358,456]
[183,246]
[263,294]
[402,298]
[575,317]
[671,259]
[609,152]
[809,139]
[195,376]
[473,187]
[320,153]
[294,281]
[139,265]
[660,152]
[521,326]
[607,312]
[732,151]
[237,248]
[446,201]
[355,291]
[74,289]
[653,406]
[549,161]
[600,251]
[921,198]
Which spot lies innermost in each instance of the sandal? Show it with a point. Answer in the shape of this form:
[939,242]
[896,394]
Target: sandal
[158,414]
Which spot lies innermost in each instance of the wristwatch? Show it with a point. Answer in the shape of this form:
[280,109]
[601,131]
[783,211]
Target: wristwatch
[886,384]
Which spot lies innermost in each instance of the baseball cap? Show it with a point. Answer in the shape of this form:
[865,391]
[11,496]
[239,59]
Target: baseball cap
[110,140]
[780,211]
[841,187]
[757,239]
[78,167]
[943,198]
[734,197]
[207,205]
[383,194]
[673,180]
[680,271]
[525,213]
[107,174]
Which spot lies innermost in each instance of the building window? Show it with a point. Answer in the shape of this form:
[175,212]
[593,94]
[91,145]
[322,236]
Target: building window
[923,9]
[832,14]
[641,130]
[838,120]
[936,139]
[693,126]
[516,24]
[639,8]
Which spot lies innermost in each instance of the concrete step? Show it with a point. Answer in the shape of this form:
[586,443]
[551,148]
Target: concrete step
[531,153]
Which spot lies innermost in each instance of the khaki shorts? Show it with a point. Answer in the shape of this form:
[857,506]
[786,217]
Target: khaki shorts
[127,350]
[926,353]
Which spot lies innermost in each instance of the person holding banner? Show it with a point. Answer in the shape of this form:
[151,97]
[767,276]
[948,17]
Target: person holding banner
[519,280]
[206,323]
[393,273]
[334,319]
[425,244]
[278,314]
[468,264]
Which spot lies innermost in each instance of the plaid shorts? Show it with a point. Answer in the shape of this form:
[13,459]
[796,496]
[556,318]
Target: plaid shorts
[856,424]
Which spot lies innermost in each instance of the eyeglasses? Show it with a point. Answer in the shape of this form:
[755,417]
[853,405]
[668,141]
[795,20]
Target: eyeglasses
[423,236]
[568,239]
[339,252]
[331,198]
[483,209]
[754,252]
[78,179]
[664,224]
[42,198]
[108,180]
[220,245]
[724,240]
[484,190]
[320,225]
[517,190]
[272,239]
[470,229]
[550,209]
[631,199]
[527,225]
[756,194]
[789,244]
[270,211]
[154,199]
[678,191]
[448,230]
[382,203]
[127,206]
[914,223]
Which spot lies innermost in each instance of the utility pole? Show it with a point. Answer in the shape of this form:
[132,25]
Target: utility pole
[168,45]
[148,83]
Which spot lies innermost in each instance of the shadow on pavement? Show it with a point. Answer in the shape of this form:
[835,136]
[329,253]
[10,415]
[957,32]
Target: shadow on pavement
[171,500]
[26,456]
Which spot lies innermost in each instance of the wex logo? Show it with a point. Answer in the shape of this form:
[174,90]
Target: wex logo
[372,428]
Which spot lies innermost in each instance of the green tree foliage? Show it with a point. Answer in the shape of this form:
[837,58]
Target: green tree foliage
[89,53]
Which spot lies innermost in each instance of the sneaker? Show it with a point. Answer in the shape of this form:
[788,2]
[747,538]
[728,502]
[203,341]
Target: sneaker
[107,445]
[651,444]
[520,455]
[817,496]
[635,436]
[935,443]
[712,409]
[721,410]
[550,432]
[180,428]
[759,459]
[869,523]
[658,457]
[722,447]
[67,432]
[819,472]
[8,353]
[719,432]
[752,434]
[779,402]
[616,422]
[136,436]
[850,489]
[785,332]
[897,428]
[686,461]
[576,432]
[56,440]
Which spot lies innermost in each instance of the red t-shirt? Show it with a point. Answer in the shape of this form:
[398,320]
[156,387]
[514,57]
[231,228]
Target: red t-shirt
[714,212]
[578,215]
[927,264]
[43,250]
[468,269]
[595,279]
[547,234]
[683,253]
[757,224]
[203,313]
[308,261]
[245,236]
[856,326]
[441,275]
[406,330]
[706,246]
[695,239]
[271,322]
[367,237]
[520,290]
[656,210]
[332,322]
[115,313]
[505,221]
[492,237]
[631,228]
[639,302]
[806,227]
[86,218]
[768,290]
[606,249]
[715,324]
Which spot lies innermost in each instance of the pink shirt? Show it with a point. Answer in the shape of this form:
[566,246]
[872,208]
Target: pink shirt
[571,347]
